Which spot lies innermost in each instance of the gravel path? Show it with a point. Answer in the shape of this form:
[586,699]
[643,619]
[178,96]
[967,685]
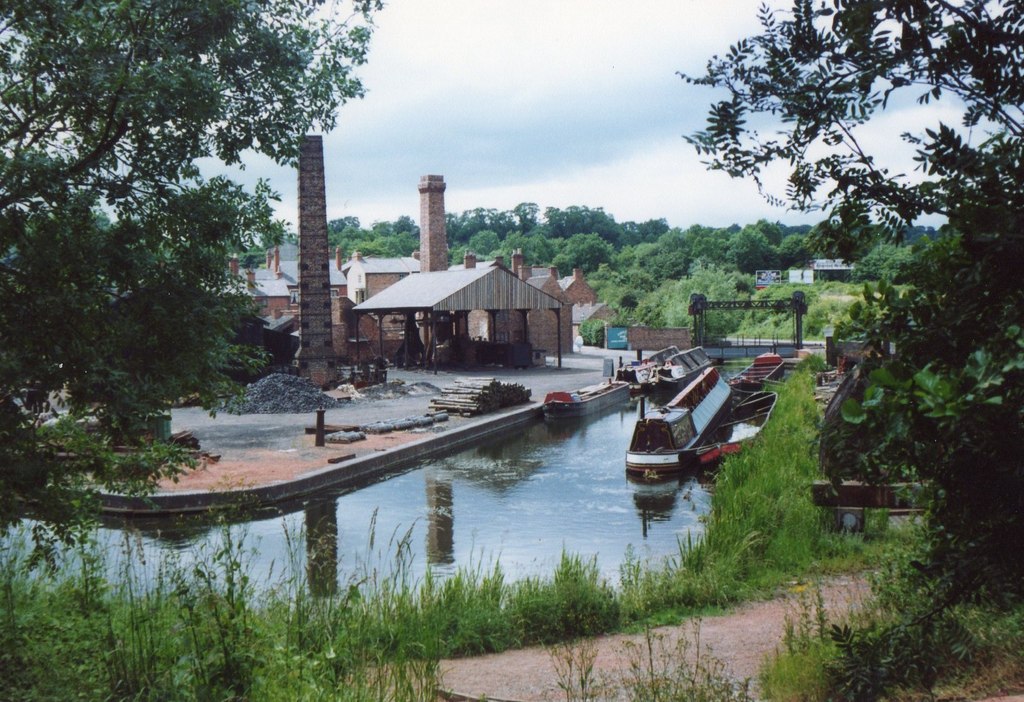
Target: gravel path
[740,640]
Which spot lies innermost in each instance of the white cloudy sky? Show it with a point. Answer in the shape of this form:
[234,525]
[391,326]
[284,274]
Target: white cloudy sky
[557,102]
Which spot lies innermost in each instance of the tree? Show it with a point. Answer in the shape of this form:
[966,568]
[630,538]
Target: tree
[484,243]
[948,409]
[749,251]
[586,251]
[793,252]
[114,288]
[884,262]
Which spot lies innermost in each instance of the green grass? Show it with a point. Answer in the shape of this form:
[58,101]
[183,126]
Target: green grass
[203,632]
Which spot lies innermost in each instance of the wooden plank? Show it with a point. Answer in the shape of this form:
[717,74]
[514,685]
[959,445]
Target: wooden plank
[852,493]
[343,457]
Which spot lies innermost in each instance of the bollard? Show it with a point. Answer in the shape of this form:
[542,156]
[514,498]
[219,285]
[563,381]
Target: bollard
[320,427]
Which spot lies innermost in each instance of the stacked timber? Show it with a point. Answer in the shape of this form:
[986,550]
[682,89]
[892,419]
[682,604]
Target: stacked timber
[479,396]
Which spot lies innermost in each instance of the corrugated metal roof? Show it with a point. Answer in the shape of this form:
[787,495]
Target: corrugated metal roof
[460,291]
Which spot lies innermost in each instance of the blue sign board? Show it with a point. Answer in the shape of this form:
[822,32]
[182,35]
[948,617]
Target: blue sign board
[616,338]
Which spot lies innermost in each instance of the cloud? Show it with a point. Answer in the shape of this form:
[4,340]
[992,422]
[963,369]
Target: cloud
[575,102]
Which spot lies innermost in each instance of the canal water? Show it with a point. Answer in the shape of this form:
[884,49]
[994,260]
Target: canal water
[522,500]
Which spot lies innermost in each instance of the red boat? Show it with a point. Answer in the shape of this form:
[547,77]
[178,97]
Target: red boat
[767,366]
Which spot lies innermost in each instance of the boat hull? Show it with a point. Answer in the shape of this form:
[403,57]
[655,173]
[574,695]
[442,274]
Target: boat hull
[767,366]
[663,465]
[662,436]
[586,401]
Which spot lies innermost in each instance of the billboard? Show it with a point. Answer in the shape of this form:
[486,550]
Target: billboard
[805,276]
[763,279]
[830,264]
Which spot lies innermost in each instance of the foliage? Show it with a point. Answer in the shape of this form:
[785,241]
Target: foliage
[592,332]
[885,262]
[113,248]
[948,408]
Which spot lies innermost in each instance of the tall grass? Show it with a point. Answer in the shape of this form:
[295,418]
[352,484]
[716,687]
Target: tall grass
[203,631]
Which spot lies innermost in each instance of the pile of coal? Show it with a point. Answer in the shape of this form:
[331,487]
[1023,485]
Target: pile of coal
[278,393]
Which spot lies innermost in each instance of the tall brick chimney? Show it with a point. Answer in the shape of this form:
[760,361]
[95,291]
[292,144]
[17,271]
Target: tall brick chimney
[553,271]
[433,234]
[270,260]
[337,258]
[577,274]
[277,261]
[233,265]
[316,353]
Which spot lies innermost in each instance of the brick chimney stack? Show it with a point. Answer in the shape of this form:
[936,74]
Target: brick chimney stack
[577,274]
[270,260]
[250,277]
[316,353]
[499,261]
[554,272]
[517,261]
[233,265]
[433,234]
[337,258]
[277,261]
[469,260]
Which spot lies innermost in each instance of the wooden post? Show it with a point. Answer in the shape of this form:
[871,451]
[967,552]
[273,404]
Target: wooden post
[320,440]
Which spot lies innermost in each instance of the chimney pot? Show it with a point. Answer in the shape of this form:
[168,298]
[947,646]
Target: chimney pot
[416,254]
[469,260]
[499,261]
[357,255]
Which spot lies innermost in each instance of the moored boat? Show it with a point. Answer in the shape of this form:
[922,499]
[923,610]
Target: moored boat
[585,401]
[750,412]
[662,437]
[678,370]
[767,366]
[642,375]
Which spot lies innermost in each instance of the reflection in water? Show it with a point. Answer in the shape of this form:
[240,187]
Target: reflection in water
[520,500]
[440,521]
[656,502]
[322,547]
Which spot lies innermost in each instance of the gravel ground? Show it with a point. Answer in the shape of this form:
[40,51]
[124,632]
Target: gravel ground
[278,393]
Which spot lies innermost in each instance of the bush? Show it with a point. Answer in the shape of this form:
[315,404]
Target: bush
[592,332]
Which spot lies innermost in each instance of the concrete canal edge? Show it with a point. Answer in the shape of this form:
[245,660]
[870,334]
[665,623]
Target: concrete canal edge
[351,474]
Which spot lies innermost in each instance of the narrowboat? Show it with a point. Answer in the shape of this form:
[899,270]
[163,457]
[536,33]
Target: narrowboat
[642,375]
[585,401]
[767,366]
[678,370]
[663,436]
[750,412]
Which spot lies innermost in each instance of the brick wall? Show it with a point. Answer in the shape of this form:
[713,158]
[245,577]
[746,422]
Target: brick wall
[650,339]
